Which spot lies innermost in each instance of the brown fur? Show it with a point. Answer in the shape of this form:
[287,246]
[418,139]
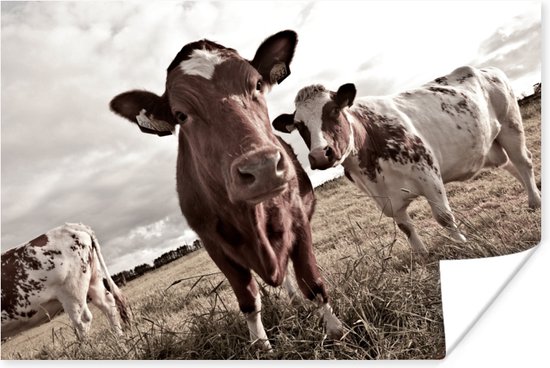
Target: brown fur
[371,142]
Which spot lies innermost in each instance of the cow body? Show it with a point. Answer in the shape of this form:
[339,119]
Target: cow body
[398,147]
[58,271]
[240,188]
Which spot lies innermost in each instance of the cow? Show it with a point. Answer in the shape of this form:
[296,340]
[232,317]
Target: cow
[240,187]
[398,147]
[58,270]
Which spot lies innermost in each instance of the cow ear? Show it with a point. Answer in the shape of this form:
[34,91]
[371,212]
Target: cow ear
[149,111]
[345,95]
[273,57]
[284,123]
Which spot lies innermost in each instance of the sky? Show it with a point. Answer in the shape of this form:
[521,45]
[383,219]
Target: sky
[65,157]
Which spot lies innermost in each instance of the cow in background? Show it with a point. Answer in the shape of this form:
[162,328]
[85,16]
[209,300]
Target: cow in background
[398,147]
[58,271]
[240,188]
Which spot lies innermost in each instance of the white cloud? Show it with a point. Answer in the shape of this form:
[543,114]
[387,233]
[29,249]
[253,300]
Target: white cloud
[66,157]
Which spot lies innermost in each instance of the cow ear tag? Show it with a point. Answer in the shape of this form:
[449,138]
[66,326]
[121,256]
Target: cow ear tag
[279,72]
[158,127]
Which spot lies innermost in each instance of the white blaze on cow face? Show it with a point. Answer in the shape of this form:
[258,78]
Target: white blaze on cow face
[309,112]
[202,63]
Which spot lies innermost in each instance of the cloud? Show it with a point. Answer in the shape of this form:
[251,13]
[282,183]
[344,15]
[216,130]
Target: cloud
[515,48]
[512,34]
[143,244]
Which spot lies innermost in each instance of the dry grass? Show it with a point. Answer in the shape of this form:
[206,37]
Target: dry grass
[389,302]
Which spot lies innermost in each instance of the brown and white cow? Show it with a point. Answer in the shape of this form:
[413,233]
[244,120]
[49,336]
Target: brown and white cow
[240,188]
[398,147]
[58,271]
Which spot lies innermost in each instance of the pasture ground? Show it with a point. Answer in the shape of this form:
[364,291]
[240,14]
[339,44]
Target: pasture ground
[388,300]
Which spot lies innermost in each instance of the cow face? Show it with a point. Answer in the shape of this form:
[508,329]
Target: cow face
[217,99]
[322,121]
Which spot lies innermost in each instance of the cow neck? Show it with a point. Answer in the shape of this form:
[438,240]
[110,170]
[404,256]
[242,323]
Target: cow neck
[366,143]
[244,229]
[359,133]
[263,243]
[350,149]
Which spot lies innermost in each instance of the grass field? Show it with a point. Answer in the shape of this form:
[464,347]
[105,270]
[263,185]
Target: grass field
[388,300]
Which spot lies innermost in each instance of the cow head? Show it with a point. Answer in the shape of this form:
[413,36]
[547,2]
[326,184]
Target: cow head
[323,123]
[217,99]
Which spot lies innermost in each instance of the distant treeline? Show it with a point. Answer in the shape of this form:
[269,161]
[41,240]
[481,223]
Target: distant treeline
[124,276]
[536,94]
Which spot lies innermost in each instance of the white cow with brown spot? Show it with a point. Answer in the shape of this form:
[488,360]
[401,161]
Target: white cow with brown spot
[398,147]
[58,271]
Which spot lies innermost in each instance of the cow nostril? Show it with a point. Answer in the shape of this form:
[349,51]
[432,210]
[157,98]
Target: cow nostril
[246,178]
[329,153]
[280,163]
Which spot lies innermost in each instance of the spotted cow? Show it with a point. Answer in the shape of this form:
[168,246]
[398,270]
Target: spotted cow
[240,188]
[58,271]
[398,147]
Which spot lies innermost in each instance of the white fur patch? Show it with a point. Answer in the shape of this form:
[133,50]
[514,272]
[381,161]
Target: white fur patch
[333,324]
[255,326]
[201,63]
[289,286]
[310,113]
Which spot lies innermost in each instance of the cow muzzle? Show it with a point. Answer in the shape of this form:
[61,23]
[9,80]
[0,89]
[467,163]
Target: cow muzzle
[258,176]
[322,158]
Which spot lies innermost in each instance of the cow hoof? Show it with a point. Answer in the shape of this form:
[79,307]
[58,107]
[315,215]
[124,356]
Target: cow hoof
[263,345]
[534,205]
[421,252]
[458,237]
[336,332]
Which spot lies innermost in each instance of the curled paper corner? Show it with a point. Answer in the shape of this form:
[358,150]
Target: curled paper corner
[470,286]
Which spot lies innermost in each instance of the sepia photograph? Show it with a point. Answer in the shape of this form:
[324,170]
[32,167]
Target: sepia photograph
[258,180]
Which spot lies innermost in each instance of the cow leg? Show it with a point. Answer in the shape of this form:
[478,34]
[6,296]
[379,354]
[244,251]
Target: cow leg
[512,139]
[254,322]
[404,223]
[509,166]
[105,301]
[309,279]
[497,157]
[289,286]
[75,306]
[86,316]
[437,198]
[248,296]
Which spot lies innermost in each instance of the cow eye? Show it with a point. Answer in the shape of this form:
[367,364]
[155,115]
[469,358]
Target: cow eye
[335,111]
[259,85]
[180,117]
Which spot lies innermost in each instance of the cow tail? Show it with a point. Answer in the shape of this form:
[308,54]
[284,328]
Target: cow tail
[120,299]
